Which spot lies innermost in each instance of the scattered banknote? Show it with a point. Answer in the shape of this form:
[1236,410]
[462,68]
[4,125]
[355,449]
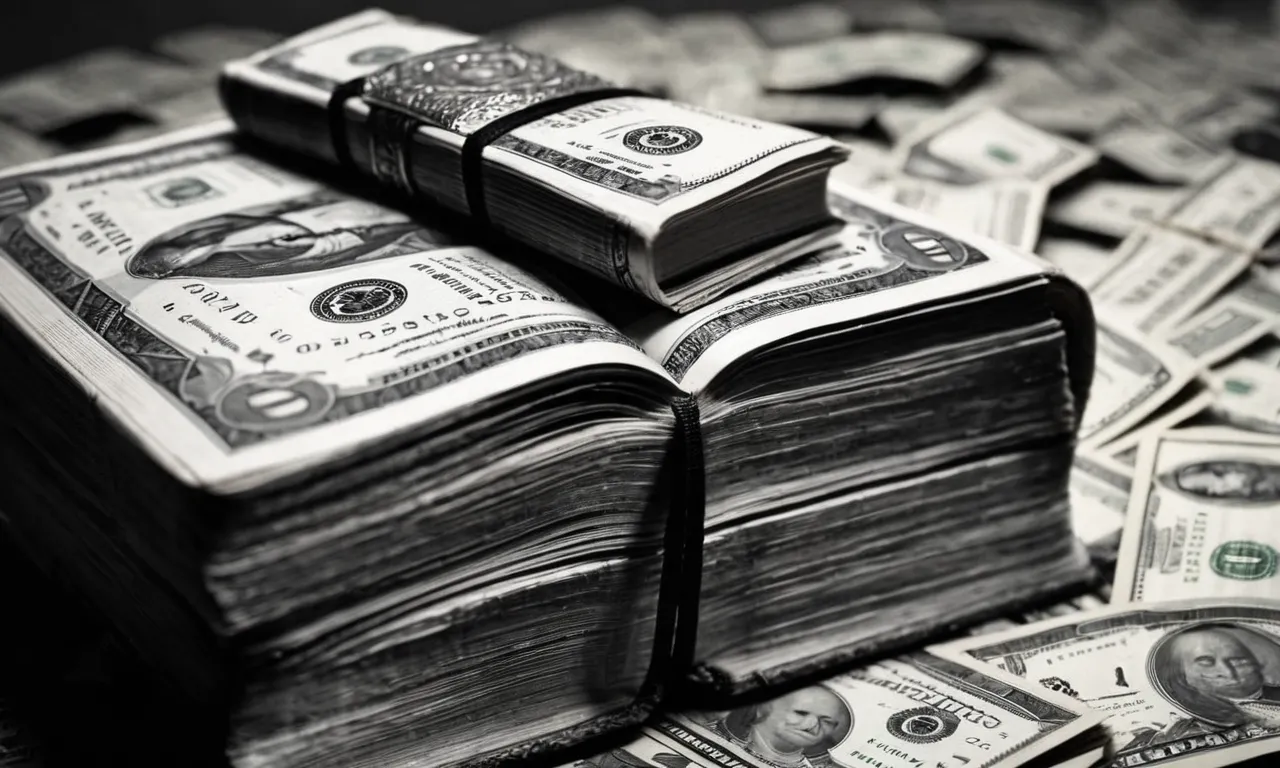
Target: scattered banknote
[1193,682]
[1113,208]
[936,60]
[930,708]
[17,146]
[1201,520]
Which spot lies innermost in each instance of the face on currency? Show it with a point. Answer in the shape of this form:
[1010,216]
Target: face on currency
[280,239]
[1227,480]
[809,719]
[1208,669]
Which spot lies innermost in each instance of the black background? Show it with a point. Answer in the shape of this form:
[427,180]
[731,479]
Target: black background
[36,32]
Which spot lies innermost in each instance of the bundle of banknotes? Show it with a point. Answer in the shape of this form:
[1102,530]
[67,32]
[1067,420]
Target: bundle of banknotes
[476,564]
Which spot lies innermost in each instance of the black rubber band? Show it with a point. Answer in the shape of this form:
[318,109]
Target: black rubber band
[679,592]
[692,498]
[472,147]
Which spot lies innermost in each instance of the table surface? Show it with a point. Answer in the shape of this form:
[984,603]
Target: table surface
[45,31]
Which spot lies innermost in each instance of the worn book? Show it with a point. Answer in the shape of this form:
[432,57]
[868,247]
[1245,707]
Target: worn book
[382,497]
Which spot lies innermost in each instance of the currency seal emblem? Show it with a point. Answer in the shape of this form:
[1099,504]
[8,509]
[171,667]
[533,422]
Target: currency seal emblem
[1244,561]
[923,725]
[358,301]
[924,248]
[662,140]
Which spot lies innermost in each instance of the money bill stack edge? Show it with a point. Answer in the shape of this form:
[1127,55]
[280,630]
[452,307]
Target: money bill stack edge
[409,498]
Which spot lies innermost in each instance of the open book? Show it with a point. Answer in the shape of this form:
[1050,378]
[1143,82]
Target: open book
[418,497]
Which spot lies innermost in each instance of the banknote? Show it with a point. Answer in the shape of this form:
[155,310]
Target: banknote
[1133,377]
[1201,521]
[965,146]
[101,81]
[1195,399]
[244,321]
[925,709]
[802,23]
[18,146]
[1113,208]
[212,45]
[868,163]
[887,258]
[1099,489]
[1041,24]
[829,111]
[899,117]
[1247,395]
[1193,682]
[1083,261]
[938,60]
[1229,324]
[623,44]
[1165,276]
[1005,210]
[1158,151]
[1239,205]
[1074,112]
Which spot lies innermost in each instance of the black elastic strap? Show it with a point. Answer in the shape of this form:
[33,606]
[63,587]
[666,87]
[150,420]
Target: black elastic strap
[693,498]
[472,147]
[675,630]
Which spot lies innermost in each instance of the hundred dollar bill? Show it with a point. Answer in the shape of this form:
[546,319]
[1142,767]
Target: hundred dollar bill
[1083,261]
[1158,151]
[937,60]
[1006,210]
[1193,682]
[817,110]
[245,322]
[1164,276]
[1192,401]
[674,202]
[1113,208]
[1099,489]
[1201,521]
[899,117]
[1247,396]
[1134,376]
[1238,206]
[965,146]
[930,708]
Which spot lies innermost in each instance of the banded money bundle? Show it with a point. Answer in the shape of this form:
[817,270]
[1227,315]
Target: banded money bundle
[673,202]
[429,508]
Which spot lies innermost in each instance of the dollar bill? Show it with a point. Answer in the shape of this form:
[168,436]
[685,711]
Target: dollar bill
[622,44]
[1133,377]
[17,146]
[925,709]
[965,146]
[1164,276]
[899,117]
[867,166]
[1193,682]
[1194,526]
[887,258]
[1158,151]
[106,80]
[1041,24]
[802,23]
[1247,395]
[1213,115]
[1232,322]
[1114,208]
[817,110]
[243,321]
[1239,205]
[1083,261]
[937,60]
[1193,400]
[1099,491]
[1006,210]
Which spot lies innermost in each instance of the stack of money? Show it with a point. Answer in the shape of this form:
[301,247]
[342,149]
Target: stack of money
[367,460]
[675,203]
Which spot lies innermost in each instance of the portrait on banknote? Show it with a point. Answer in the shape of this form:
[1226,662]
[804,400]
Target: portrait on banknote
[318,231]
[1222,673]
[797,729]
[1227,481]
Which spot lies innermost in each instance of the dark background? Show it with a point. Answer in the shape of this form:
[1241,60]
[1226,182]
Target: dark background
[43,31]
